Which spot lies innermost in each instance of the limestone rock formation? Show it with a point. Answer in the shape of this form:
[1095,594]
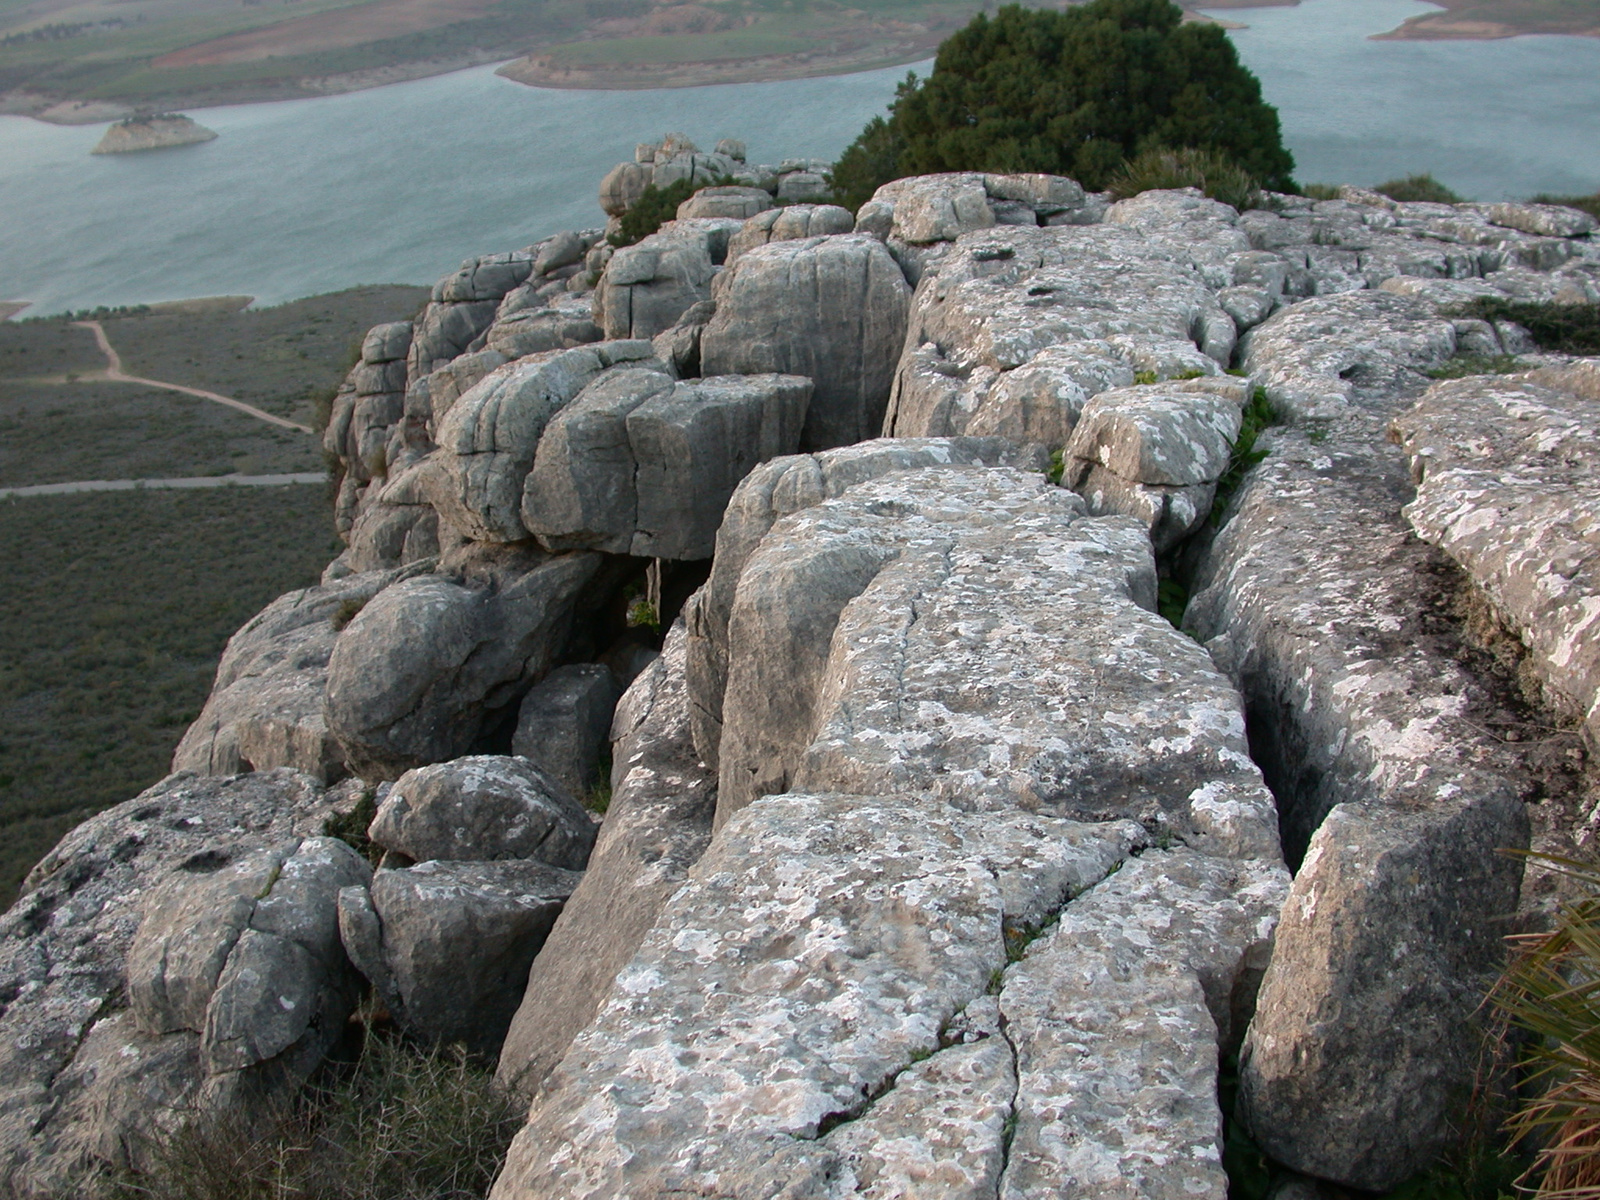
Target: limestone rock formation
[831,309]
[936,862]
[413,676]
[640,464]
[1505,469]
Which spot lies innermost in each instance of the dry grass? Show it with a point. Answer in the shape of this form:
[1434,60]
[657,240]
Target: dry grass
[1551,992]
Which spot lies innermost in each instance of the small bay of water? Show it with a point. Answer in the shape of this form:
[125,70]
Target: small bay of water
[1494,120]
[399,184]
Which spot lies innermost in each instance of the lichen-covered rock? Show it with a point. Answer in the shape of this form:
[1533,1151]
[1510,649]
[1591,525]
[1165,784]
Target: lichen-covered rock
[1316,600]
[777,489]
[248,956]
[265,707]
[832,309]
[79,1084]
[656,827]
[1155,452]
[413,676]
[563,321]
[1316,358]
[1082,309]
[641,464]
[483,808]
[456,940]
[1506,472]
[565,722]
[740,203]
[893,638]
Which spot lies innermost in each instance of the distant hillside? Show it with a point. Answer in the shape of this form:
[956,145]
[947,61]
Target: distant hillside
[109,635]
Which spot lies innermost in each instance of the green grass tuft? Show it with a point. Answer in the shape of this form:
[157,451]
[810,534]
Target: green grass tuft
[1214,174]
[1258,415]
[1422,187]
[1463,365]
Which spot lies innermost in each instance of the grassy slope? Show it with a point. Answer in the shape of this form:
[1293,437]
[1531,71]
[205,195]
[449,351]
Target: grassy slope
[118,604]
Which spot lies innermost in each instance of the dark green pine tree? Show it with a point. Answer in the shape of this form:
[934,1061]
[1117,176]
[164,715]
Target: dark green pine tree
[1070,93]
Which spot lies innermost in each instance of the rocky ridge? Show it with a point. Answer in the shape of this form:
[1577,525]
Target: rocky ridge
[936,862]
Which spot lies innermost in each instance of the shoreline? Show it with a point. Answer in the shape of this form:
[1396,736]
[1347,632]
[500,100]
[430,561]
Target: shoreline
[539,70]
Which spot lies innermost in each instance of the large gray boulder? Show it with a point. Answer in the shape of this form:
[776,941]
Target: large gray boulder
[483,808]
[1155,452]
[1019,327]
[413,677]
[396,524]
[657,826]
[940,208]
[775,490]
[81,1086]
[1506,468]
[739,203]
[559,323]
[832,309]
[647,286]
[447,945]
[1319,357]
[565,722]
[265,707]
[247,955]
[1393,800]
[641,464]
[488,439]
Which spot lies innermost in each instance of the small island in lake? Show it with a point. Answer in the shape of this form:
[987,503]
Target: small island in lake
[152,133]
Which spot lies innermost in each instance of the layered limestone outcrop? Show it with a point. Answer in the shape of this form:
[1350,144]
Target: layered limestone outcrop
[937,861]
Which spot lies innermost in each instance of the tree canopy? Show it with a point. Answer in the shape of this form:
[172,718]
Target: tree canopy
[1070,93]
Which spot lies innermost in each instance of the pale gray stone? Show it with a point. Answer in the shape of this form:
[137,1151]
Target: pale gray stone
[732,147]
[483,808]
[623,185]
[1319,357]
[564,322]
[1003,296]
[1316,599]
[1505,470]
[832,309]
[395,524]
[866,628]
[386,343]
[639,464]
[487,277]
[488,439]
[1169,513]
[936,208]
[657,826]
[803,187]
[563,250]
[64,951]
[1548,220]
[412,678]
[646,287]
[1162,434]
[458,938]
[740,203]
[565,722]
[787,224]
[772,491]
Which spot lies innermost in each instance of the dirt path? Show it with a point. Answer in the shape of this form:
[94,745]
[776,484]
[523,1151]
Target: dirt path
[115,374]
[133,485]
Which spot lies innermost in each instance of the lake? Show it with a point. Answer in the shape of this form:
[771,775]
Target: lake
[399,184]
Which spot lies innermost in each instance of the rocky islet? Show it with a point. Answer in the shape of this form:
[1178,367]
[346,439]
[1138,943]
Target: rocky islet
[936,863]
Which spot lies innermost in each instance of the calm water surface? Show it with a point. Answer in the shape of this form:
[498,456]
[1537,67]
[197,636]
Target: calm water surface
[398,184]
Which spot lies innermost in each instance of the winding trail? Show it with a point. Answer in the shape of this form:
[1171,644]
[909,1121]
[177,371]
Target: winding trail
[180,482]
[115,374]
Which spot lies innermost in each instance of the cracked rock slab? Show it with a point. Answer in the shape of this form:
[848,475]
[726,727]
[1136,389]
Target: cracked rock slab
[1506,473]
